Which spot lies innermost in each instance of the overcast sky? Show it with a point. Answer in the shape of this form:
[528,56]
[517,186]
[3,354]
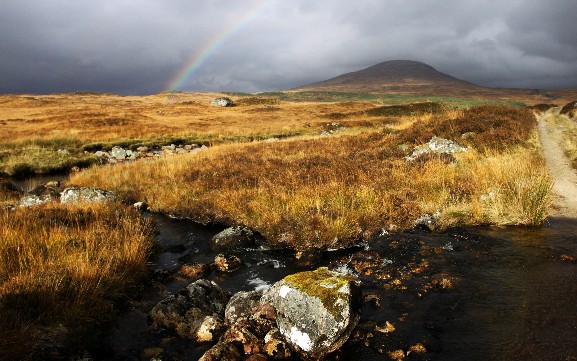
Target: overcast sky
[144,46]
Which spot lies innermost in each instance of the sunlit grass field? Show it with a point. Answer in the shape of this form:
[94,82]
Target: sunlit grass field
[336,174]
[332,191]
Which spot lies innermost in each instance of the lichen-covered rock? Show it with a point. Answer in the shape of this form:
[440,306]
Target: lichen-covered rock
[31,200]
[74,195]
[194,312]
[276,346]
[437,146]
[227,262]
[222,352]
[316,310]
[42,194]
[222,102]
[242,305]
[233,238]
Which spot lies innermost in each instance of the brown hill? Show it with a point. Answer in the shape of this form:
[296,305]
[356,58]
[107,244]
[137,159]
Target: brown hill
[395,75]
[413,77]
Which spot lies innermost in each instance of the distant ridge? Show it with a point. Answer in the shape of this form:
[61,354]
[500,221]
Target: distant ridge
[395,76]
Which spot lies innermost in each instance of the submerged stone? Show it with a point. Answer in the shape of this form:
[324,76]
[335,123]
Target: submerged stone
[233,238]
[316,310]
[194,312]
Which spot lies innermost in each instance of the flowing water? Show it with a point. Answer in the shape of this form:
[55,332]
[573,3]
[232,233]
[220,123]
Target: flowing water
[490,293]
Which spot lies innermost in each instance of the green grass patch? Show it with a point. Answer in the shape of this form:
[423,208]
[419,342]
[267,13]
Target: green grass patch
[385,99]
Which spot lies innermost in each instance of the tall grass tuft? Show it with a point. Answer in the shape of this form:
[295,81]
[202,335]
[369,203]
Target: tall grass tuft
[65,267]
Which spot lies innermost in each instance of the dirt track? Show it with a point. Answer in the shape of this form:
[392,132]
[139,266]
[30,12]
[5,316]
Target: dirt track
[565,186]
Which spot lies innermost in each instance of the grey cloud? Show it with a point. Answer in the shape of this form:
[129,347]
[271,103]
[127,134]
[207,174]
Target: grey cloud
[133,47]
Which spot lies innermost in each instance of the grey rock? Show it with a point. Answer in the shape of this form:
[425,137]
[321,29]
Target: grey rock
[142,149]
[233,238]
[222,352]
[242,305]
[222,102]
[194,312]
[118,153]
[437,146]
[31,200]
[427,221]
[74,195]
[141,206]
[316,311]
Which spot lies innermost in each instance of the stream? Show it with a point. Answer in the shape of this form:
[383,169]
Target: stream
[488,293]
[483,293]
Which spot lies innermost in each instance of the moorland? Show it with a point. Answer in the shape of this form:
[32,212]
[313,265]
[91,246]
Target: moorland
[305,169]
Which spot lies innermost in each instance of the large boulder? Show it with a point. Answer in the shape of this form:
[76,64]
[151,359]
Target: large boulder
[233,238]
[74,195]
[317,310]
[194,312]
[222,102]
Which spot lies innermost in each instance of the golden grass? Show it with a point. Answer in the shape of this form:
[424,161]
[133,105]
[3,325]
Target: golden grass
[332,191]
[65,266]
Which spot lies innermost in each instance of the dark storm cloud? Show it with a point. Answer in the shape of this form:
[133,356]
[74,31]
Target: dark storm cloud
[139,47]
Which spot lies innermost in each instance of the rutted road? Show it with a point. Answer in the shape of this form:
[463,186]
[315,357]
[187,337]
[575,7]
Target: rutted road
[565,186]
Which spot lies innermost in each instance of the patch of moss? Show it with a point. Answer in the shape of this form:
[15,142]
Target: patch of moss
[325,285]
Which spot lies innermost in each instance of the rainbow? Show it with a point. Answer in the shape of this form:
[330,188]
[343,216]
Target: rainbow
[200,56]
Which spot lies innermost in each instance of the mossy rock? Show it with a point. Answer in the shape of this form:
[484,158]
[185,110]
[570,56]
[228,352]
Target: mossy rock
[316,310]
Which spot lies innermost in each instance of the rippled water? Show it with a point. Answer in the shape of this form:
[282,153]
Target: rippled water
[512,297]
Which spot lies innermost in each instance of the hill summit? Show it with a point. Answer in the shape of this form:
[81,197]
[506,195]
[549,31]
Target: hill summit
[404,76]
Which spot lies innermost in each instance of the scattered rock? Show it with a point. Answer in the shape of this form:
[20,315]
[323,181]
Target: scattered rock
[31,200]
[437,146]
[387,328]
[222,352]
[316,310]
[242,305]
[118,153]
[222,102]
[233,238]
[194,312]
[42,194]
[427,221]
[141,206]
[397,354]
[74,195]
[227,263]
[195,271]
[566,257]
[257,357]
[276,346]
[418,349]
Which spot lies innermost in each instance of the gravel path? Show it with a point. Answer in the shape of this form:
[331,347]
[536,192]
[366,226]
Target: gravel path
[565,186]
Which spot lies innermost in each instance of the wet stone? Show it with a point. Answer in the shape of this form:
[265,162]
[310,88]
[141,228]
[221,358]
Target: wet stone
[317,310]
[194,271]
[222,352]
[227,263]
[194,312]
[233,238]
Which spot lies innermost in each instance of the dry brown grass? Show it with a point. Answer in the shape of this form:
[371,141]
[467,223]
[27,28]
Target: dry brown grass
[64,267]
[332,191]
[93,117]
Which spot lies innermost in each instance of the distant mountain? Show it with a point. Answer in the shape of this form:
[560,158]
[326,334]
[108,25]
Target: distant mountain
[394,76]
